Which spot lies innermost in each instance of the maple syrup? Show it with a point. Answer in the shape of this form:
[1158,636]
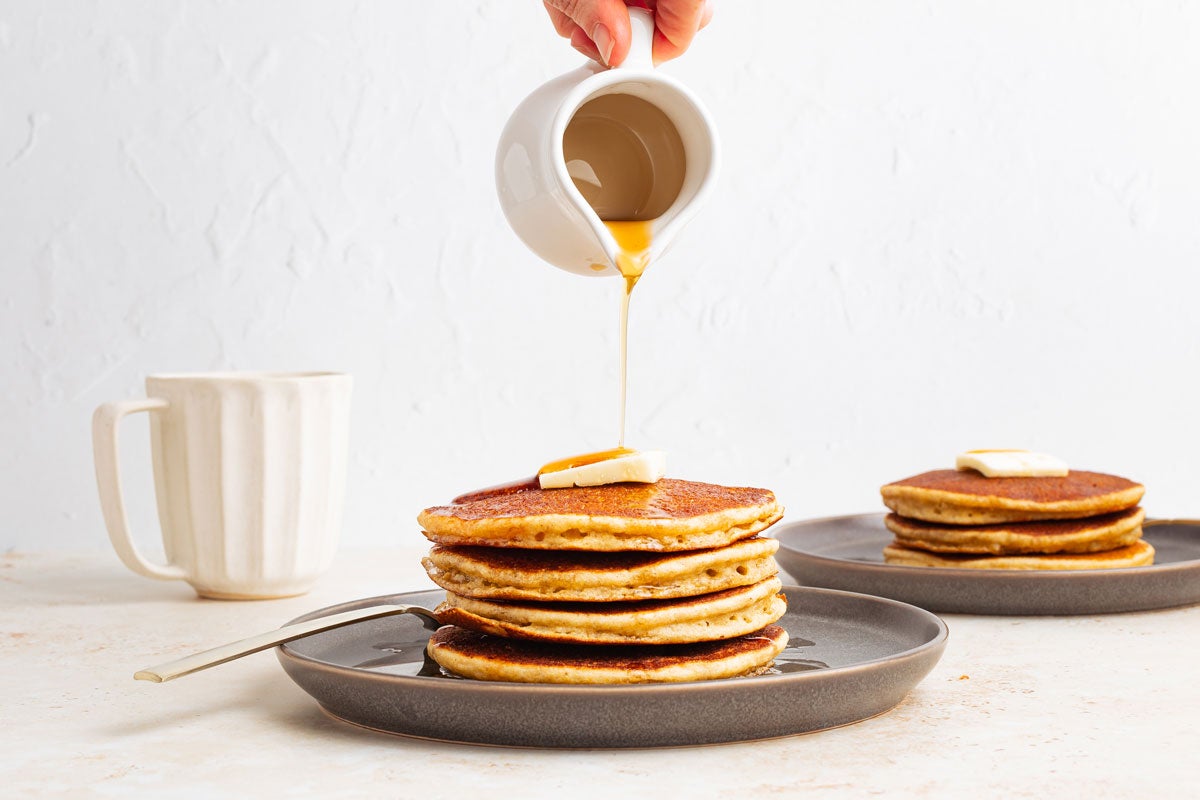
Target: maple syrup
[584,459]
[626,158]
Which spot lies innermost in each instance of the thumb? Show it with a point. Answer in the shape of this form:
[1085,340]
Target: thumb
[676,24]
[604,22]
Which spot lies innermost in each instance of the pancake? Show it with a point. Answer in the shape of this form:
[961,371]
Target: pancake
[491,658]
[1138,554]
[497,573]
[1089,535]
[709,617]
[966,497]
[670,515]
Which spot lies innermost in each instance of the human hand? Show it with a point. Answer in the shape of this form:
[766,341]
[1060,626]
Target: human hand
[600,28]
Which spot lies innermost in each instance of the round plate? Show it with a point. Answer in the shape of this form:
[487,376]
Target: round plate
[850,657]
[847,553]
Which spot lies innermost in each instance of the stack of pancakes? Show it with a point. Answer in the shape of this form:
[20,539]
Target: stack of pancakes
[959,518]
[624,583]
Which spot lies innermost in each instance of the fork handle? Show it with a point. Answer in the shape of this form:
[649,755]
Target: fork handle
[263,641]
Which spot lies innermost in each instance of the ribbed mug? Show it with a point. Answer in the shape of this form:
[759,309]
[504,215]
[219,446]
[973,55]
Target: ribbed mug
[249,475]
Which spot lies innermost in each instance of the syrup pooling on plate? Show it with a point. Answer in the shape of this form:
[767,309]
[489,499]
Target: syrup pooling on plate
[792,659]
[408,657]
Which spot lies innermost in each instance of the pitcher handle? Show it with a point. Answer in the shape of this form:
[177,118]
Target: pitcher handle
[641,43]
[108,479]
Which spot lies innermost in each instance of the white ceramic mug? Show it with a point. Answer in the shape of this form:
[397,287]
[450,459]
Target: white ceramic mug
[536,192]
[249,473]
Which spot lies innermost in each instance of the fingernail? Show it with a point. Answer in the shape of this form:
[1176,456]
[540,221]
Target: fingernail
[603,40]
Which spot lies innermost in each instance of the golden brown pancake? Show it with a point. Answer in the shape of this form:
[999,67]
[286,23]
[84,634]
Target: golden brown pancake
[666,516]
[505,573]
[966,497]
[477,655]
[1138,554]
[719,615]
[1089,535]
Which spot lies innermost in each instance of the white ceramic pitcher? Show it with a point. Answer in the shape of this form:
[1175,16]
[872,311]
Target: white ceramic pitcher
[536,192]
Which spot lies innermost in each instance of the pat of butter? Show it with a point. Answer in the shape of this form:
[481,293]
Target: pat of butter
[1012,464]
[647,466]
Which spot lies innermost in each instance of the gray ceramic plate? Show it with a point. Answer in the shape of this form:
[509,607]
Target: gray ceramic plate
[851,657]
[847,553]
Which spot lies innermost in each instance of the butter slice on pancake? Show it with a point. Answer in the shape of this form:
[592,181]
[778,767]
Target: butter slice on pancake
[669,515]
[477,655]
[1138,554]
[510,574]
[966,497]
[1089,535]
[719,615]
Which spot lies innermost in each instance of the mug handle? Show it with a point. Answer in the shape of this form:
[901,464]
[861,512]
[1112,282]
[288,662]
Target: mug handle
[108,479]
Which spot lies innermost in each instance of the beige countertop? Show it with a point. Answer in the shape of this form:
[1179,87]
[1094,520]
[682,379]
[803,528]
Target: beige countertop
[1022,707]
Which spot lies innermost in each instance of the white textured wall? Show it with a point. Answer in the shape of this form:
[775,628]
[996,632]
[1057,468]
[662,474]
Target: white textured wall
[940,225]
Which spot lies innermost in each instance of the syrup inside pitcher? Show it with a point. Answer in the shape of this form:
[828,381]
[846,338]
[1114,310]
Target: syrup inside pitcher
[626,158]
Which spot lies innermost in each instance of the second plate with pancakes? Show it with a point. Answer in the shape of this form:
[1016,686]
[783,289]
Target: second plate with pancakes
[960,518]
[555,585]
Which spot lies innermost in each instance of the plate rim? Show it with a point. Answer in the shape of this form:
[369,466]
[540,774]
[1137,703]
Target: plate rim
[937,642]
[980,574]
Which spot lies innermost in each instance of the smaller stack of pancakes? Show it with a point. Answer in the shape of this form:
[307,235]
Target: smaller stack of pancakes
[622,583]
[960,518]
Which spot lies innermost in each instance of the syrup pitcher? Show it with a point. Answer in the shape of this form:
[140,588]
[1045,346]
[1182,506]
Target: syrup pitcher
[600,145]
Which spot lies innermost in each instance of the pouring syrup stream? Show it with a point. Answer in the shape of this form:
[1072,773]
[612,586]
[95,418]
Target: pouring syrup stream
[633,237]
